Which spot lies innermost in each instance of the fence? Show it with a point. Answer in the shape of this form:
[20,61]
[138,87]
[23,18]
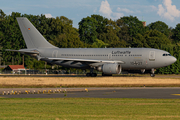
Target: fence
[72,72]
[24,72]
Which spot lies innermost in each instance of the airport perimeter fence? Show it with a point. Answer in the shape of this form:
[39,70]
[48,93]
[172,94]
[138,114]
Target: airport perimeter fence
[45,72]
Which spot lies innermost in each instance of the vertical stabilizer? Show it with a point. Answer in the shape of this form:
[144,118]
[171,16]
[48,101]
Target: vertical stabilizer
[32,36]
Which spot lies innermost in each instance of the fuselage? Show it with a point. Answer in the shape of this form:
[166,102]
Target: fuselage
[133,58]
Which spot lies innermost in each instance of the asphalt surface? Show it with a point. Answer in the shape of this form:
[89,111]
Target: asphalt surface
[152,93]
[67,75]
[74,75]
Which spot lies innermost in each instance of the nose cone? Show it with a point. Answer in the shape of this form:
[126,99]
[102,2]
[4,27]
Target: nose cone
[173,60]
[168,61]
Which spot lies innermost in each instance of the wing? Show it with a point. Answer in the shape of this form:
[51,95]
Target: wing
[86,60]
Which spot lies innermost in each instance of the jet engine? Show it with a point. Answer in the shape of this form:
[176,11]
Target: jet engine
[110,68]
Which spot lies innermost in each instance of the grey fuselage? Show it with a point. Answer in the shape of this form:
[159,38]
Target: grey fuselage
[133,58]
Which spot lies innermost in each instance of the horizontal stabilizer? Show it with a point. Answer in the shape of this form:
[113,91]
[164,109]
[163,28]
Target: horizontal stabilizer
[24,51]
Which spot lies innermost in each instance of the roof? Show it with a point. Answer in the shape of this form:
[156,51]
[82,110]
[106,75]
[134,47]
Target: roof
[13,67]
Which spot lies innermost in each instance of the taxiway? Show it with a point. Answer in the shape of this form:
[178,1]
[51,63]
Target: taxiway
[152,93]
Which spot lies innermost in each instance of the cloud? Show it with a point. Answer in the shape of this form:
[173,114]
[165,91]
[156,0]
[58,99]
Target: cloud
[95,10]
[124,10]
[48,15]
[107,12]
[117,15]
[168,11]
[105,9]
[153,8]
[8,13]
[161,10]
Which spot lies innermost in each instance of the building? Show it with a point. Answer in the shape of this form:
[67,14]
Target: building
[144,23]
[15,69]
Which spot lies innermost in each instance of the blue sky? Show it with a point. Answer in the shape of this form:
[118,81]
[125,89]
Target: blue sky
[167,11]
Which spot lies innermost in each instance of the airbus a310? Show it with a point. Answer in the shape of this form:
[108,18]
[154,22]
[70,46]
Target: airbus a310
[107,60]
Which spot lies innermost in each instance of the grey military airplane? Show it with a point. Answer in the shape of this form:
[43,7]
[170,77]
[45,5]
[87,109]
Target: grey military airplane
[107,60]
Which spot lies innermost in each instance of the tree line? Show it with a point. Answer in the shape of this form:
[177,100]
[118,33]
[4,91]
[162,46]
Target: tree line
[94,31]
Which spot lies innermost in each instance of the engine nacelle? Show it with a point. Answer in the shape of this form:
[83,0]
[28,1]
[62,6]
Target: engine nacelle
[110,68]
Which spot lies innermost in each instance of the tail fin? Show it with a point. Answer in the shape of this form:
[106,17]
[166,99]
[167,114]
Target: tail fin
[32,36]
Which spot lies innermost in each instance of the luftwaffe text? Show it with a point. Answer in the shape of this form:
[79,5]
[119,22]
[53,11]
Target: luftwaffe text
[121,52]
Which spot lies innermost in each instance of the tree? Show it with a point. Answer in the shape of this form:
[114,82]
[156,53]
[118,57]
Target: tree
[129,28]
[68,36]
[161,27]
[134,26]
[87,30]
[123,34]
[110,35]
[1,38]
[99,44]
[139,41]
[98,27]
[176,34]
[101,24]
[2,15]
[156,39]
[11,39]
[0,54]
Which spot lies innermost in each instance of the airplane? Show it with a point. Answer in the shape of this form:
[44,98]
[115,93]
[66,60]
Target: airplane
[107,60]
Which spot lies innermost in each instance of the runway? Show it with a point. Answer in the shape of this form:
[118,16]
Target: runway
[83,75]
[152,93]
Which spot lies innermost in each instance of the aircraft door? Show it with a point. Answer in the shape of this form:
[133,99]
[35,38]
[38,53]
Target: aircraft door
[54,54]
[109,56]
[152,56]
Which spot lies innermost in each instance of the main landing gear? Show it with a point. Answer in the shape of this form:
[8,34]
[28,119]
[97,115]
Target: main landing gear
[91,74]
[152,72]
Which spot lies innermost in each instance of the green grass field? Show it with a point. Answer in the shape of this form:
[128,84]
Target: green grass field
[88,108]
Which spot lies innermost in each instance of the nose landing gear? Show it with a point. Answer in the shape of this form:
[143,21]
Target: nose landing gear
[152,72]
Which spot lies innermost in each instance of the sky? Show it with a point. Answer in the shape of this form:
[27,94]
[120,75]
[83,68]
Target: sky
[167,11]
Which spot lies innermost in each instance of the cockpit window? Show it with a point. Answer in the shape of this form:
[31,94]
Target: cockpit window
[166,54]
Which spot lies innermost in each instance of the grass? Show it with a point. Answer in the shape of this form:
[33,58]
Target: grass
[6,82]
[88,108]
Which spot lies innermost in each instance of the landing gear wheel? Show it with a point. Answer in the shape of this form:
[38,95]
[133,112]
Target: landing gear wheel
[93,75]
[152,75]
[152,72]
[88,74]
